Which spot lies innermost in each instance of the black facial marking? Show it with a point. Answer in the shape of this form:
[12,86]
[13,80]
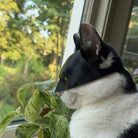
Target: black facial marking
[84,65]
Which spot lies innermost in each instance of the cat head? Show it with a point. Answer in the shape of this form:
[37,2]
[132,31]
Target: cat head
[92,60]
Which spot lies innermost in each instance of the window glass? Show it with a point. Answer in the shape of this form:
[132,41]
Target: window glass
[130,55]
[32,41]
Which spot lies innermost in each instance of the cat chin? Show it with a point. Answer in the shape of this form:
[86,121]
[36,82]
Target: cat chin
[60,93]
[71,100]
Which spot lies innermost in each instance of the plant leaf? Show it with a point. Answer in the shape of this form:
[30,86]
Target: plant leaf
[32,107]
[26,130]
[44,98]
[6,121]
[63,109]
[43,122]
[48,99]
[59,127]
[45,111]
[40,133]
[45,85]
[46,133]
[53,103]
[23,95]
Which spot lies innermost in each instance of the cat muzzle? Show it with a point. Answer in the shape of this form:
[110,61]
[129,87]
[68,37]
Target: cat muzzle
[60,93]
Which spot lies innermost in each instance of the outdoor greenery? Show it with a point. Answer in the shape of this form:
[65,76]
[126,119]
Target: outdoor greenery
[32,40]
[131,62]
[43,109]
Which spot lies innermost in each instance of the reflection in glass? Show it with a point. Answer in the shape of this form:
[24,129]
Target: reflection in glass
[130,56]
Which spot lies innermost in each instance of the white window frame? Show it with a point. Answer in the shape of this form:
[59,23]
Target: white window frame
[73,28]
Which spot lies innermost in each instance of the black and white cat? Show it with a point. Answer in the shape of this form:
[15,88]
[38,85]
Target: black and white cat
[94,82]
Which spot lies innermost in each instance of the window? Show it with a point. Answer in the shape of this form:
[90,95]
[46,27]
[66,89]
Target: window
[130,53]
[112,21]
[34,37]
[32,41]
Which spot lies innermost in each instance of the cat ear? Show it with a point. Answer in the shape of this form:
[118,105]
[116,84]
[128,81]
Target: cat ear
[90,43]
[77,40]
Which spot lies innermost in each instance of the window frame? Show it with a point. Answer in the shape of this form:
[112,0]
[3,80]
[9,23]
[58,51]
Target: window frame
[111,19]
[126,52]
[73,28]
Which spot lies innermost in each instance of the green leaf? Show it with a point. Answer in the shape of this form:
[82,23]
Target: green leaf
[23,95]
[26,130]
[45,85]
[59,127]
[62,108]
[48,99]
[45,98]
[40,133]
[32,107]
[53,102]
[43,122]
[46,133]
[25,92]
[6,121]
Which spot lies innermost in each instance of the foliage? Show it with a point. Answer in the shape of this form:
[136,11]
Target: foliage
[3,72]
[5,109]
[32,36]
[44,110]
[136,75]
[34,29]
[35,67]
[133,73]
[136,79]
[131,61]
[133,26]
[5,122]
[11,83]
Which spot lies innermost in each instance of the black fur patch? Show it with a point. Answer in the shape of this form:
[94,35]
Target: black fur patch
[131,132]
[84,65]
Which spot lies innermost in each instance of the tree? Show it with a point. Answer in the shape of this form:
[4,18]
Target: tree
[34,28]
[7,8]
[57,15]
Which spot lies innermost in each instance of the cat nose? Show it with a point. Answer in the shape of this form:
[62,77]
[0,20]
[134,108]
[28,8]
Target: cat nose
[60,93]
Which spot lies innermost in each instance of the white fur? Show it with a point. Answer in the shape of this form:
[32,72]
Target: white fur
[97,48]
[103,110]
[107,62]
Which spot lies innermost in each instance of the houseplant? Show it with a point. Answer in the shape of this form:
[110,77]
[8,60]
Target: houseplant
[43,110]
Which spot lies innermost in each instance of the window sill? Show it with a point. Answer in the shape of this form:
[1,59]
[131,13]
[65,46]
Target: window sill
[10,132]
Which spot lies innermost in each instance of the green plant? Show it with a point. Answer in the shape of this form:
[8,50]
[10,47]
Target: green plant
[2,72]
[5,109]
[136,75]
[35,66]
[10,85]
[44,111]
[137,79]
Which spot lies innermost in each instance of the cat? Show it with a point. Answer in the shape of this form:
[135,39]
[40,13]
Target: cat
[94,81]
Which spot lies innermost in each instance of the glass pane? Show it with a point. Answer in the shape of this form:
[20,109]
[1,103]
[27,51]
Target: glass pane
[130,58]
[32,40]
